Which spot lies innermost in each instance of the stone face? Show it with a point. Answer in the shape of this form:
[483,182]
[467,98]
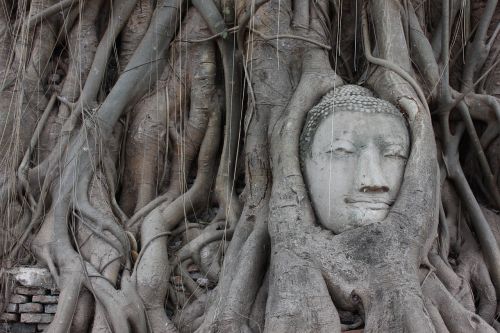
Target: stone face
[30,307]
[17,299]
[9,317]
[356,168]
[36,318]
[50,308]
[46,299]
[30,291]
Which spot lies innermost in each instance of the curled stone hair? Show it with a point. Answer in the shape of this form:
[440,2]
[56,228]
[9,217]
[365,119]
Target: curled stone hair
[351,98]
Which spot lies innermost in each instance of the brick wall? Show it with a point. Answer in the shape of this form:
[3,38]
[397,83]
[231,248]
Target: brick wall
[33,303]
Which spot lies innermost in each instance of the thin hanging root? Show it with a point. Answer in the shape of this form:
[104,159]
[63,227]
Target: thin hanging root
[454,283]
[70,288]
[134,30]
[50,11]
[200,98]
[231,60]
[436,318]
[132,241]
[110,174]
[207,39]
[443,232]
[300,14]
[448,106]
[226,194]
[99,233]
[122,307]
[481,281]
[422,51]
[248,276]
[477,51]
[189,318]
[486,238]
[177,297]
[211,253]
[456,318]
[187,281]
[195,246]
[93,82]
[212,17]
[195,129]
[95,77]
[36,217]
[148,208]
[489,135]
[154,260]
[101,221]
[297,37]
[184,227]
[81,52]
[146,139]
[23,167]
[145,247]
[244,18]
[389,65]
[483,162]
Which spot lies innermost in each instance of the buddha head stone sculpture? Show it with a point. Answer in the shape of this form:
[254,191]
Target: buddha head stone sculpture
[353,148]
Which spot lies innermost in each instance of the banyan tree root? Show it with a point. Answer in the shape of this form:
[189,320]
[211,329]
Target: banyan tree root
[152,115]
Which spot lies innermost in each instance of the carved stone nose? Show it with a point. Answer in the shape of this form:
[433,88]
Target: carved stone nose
[370,175]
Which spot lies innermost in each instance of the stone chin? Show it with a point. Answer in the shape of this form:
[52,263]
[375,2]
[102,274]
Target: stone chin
[356,217]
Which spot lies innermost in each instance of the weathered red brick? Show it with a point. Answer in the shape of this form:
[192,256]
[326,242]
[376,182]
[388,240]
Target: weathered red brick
[17,299]
[47,299]
[50,308]
[30,307]
[11,307]
[21,328]
[10,317]
[30,291]
[18,328]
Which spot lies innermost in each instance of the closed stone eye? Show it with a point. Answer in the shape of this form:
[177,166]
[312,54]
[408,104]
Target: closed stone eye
[341,151]
[395,154]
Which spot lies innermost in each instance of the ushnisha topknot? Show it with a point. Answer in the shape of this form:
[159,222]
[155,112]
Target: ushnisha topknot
[349,97]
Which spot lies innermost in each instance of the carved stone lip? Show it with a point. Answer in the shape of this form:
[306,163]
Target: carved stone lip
[369,202]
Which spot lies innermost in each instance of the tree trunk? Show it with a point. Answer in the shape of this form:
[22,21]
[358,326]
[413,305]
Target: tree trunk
[152,161]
